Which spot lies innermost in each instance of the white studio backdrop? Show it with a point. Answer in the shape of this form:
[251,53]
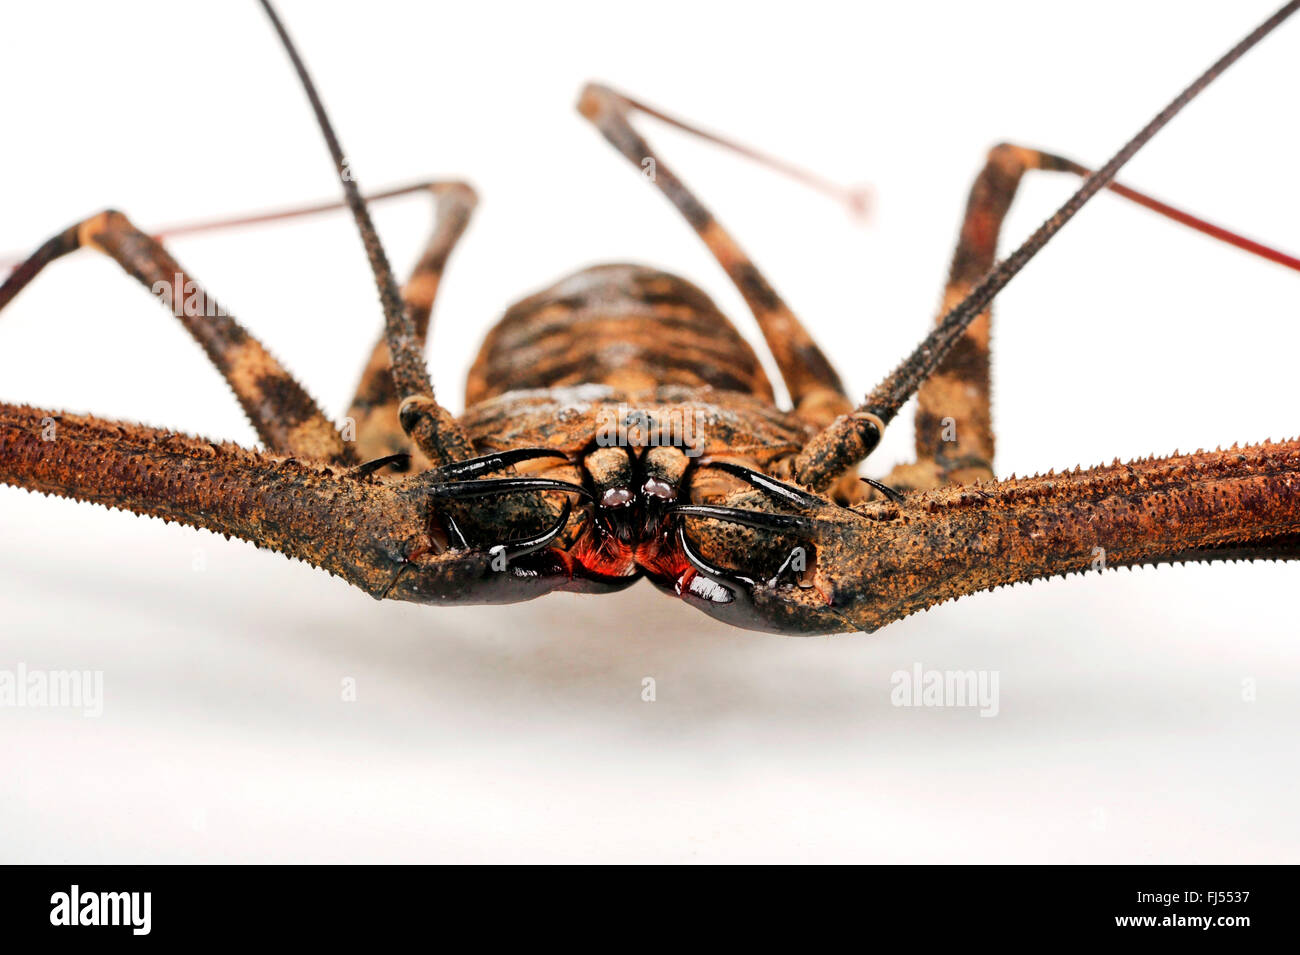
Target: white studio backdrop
[1143,716]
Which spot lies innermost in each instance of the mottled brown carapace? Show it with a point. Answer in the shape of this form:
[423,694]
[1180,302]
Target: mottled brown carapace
[617,426]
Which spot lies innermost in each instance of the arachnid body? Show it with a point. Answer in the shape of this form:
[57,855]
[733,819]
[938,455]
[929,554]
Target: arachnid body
[617,426]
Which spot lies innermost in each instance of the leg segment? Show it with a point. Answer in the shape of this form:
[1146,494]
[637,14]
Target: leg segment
[433,429]
[851,437]
[954,428]
[285,416]
[375,407]
[814,386]
[374,410]
[954,431]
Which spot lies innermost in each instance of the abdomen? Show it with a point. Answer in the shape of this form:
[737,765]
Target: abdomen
[627,326]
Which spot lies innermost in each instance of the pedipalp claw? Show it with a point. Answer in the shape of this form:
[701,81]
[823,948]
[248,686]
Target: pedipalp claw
[370,467]
[778,490]
[492,486]
[515,549]
[891,493]
[495,461]
[759,520]
[697,561]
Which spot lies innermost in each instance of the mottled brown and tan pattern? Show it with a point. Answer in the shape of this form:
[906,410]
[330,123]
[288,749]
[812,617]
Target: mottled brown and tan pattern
[539,486]
[954,422]
[1241,503]
[813,384]
[281,411]
[852,436]
[374,409]
[873,564]
[880,561]
[356,529]
[571,419]
[627,326]
[430,426]
[954,427]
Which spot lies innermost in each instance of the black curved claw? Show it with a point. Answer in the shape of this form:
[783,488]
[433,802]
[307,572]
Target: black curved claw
[487,463]
[769,485]
[491,486]
[701,565]
[524,546]
[761,520]
[370,467]
[893,494]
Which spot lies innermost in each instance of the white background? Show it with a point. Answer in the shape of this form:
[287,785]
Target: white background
[519,732]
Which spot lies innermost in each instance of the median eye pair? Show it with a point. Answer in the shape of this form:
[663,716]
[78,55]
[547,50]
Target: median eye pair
[620,477]
[652,489]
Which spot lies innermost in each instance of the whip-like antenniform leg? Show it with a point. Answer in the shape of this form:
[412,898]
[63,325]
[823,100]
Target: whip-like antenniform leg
[433,429]
[954,429]
[375,406]
[853,436]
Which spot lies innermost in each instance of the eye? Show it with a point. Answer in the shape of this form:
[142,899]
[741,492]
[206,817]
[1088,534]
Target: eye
[661,490]
[616,497]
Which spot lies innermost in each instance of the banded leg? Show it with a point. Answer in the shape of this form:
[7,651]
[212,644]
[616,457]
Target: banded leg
[837,450]
[815,388]
[954,431]
[375,407]
[432,427]
[284,415]
[374,410]
[954,426]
